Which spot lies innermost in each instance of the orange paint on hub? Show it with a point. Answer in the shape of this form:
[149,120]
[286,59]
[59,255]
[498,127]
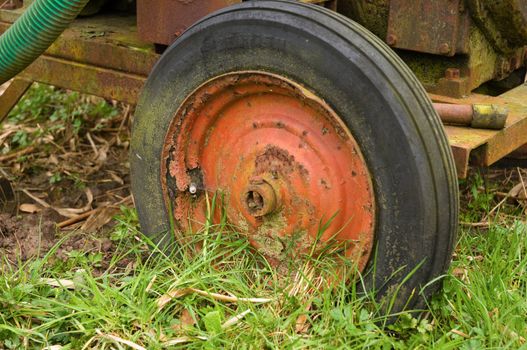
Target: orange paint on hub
[282,159]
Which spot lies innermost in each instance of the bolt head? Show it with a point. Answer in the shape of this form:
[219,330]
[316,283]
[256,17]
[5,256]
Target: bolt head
[444,49]
[391,39]
[452,73]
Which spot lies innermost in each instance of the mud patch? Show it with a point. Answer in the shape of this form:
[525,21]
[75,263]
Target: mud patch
[33,236]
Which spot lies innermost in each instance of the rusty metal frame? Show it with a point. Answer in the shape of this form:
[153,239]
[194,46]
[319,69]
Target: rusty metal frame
[100,56]
[103,56]
[12,95]
[480,147]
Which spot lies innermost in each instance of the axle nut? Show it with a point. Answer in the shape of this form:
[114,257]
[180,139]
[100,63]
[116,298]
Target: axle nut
[260,199]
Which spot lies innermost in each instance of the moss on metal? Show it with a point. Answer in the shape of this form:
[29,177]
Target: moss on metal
[373,14]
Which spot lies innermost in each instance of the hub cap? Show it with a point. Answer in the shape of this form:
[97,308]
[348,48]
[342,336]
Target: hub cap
[285,164]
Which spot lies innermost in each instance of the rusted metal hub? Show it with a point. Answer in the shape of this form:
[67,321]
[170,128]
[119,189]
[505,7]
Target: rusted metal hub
[260,198]
[285,164]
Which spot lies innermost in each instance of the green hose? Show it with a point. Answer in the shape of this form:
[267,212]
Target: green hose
[34,32]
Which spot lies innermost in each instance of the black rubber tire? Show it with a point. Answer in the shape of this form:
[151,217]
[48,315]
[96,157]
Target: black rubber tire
[361,78]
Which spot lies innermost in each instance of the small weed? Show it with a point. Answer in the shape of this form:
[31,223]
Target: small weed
[54,111]
[55,178]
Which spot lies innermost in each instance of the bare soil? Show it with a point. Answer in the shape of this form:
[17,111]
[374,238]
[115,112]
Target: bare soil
[63,186]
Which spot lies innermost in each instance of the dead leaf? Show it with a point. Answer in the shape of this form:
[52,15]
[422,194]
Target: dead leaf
[517,192]
[301,326]
[116,178]
[53,282]
[182,340]
[53,159]
[66,212]
[176,341]
[185,321]
[464,335]
[178,293]
[99,218]
[53,347]
[29,208]
[102,154]
[459,272]
[120,340]
[475,258]
[235,319]
[173,294]
[150,284]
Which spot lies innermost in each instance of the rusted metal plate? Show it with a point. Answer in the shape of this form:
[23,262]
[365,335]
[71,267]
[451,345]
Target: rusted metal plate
[162,21]
[430,26]
[282,162]
[481,147]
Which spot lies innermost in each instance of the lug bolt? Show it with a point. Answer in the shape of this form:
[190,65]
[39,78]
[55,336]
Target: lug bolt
[452,73]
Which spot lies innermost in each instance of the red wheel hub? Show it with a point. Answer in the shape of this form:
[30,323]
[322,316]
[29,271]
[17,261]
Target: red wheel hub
[283,161]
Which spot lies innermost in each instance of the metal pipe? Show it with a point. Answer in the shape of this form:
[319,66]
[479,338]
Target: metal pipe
[482,116]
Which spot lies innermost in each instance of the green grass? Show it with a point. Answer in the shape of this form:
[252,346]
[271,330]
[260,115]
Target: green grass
[72,304]
[483,303]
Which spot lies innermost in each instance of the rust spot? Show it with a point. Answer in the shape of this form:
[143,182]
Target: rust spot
[277,183]
[274,160]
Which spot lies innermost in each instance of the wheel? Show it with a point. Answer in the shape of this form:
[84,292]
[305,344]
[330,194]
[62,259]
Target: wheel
[298,116]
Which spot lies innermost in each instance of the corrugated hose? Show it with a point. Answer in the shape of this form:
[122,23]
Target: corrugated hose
[33,32]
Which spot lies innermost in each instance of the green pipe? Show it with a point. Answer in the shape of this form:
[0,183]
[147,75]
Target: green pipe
[32,33]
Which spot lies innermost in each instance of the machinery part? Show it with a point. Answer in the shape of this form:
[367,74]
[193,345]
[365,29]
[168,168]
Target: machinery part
[504,22]
[162,21]
[10,97]
[482,116]
[483,40]
[33,32]
[282,159]
[430,26]
[307,53]
[92,7]
[489,116]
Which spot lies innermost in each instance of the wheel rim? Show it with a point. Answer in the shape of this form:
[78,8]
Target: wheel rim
[285,164]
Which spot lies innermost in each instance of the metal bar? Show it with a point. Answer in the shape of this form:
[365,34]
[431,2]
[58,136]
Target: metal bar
[483,116]
[12,95]
[454,114]
[106,83]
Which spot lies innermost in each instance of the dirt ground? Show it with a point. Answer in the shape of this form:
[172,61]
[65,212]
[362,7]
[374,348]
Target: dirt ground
[62,183]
